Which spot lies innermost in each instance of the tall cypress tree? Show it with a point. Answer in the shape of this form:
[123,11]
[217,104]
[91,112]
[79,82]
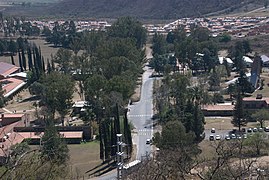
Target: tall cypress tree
[12,59]
[106,141]
[117,119]
[30,61]
[113,137]
[101,141]
[125,124]
[20,61]
[23,59]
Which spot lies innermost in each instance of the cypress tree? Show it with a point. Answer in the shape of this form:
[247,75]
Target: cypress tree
[106,141]
[117,119]
[113,139]
[43,65]
[30,61]
[12,59]
[101,141]
[125,124]
[20,61]
[23,59]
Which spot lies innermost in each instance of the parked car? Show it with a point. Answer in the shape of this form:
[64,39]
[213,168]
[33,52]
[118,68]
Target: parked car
[211,137]
[255,130]
[227,137]
[245,136]
[218,137]
[243,130]
[213,130]
[260,129]
[266,129]
[233,136]
[249,130]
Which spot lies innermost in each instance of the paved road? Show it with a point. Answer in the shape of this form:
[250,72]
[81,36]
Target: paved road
[140,115]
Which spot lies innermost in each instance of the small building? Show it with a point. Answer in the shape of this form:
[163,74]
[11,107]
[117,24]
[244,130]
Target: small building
[80,106]
[253,103]
[218,110]
[265,60]
[7,119]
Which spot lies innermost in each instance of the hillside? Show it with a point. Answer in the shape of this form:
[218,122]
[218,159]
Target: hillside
[143,9]
[146,9]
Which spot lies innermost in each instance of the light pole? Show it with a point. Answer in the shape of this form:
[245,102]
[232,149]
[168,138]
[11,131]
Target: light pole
[119,156]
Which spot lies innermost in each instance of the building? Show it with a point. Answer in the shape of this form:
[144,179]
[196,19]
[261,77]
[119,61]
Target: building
[7,69]
[259,102]
[218,110]
[11,79]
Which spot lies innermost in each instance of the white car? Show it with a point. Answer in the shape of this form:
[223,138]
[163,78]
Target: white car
[217,137]
[148,141]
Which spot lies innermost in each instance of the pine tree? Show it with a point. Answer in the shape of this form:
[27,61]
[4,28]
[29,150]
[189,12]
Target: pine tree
[54,148]
[238,116]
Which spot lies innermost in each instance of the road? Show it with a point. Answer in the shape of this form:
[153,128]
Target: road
[140,116]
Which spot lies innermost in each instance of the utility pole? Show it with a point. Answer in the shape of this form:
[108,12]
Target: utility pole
[119,156]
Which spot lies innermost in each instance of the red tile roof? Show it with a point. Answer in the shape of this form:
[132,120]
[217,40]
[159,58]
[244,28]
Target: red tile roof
[266,99]
[10,84]
[7,69]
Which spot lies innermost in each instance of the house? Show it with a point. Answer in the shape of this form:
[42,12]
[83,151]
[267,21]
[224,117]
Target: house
[7,119]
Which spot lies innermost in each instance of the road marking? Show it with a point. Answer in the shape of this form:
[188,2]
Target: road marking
[144,132]
[139,115]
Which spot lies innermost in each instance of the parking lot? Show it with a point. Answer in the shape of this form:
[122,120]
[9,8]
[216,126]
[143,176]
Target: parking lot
[215,134]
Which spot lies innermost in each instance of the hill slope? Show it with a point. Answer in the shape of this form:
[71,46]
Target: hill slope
[146,9]
[142,9]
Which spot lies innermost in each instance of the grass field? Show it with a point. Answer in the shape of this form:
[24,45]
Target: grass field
[84,158]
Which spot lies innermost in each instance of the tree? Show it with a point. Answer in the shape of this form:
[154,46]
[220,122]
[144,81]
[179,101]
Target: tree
[158,45]
[260,116]
[239,119]
[58,93]
[2,98]
[127,27]
[258,142]
[54,148]
[214,81]
[63,58]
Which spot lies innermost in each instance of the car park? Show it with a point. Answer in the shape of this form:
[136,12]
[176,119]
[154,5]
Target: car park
[213,130]
[211,137]
[218,137]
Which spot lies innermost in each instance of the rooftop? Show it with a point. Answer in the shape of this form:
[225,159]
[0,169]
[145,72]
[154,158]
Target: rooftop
[7,69]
